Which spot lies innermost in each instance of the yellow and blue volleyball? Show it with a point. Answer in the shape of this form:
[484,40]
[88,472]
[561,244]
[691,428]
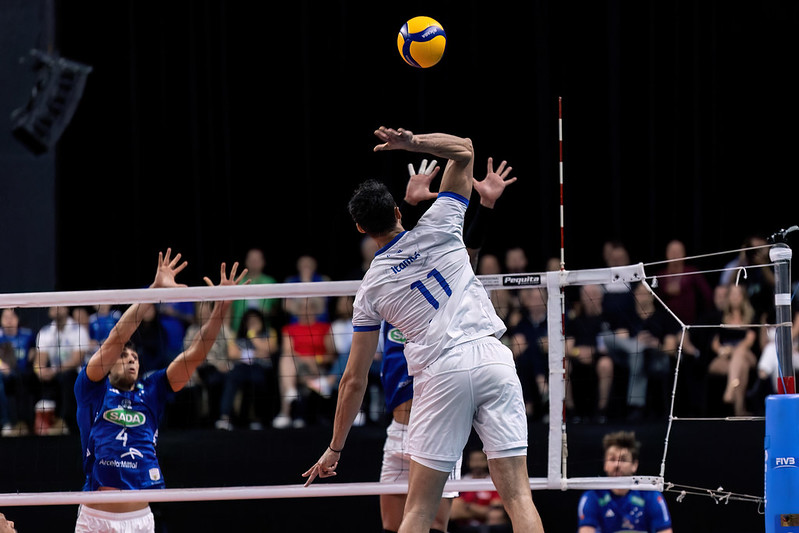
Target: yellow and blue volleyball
[421,42]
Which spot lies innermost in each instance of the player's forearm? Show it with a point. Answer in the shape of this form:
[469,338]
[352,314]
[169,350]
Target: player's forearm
[206,337]
[443,145]
[350,397]
[103,359]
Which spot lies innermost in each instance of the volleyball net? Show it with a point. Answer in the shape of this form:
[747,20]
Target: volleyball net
[558,328]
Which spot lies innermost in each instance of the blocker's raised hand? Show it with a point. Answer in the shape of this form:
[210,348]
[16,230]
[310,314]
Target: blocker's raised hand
[167,269]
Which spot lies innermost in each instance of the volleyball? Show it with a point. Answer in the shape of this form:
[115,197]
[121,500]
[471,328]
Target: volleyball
[421,42]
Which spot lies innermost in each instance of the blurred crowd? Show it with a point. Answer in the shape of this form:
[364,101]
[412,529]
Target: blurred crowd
[277,362]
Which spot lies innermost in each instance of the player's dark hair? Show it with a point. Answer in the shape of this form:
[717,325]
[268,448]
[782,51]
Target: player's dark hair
[372,208]
[623,439]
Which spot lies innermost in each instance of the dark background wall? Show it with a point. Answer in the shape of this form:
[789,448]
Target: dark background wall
[213,126]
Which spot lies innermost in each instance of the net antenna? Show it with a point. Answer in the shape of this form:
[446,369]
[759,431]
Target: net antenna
[780,254]
[562,296]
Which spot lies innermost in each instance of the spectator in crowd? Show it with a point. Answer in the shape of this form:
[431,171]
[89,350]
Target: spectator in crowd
[640,343]
[530,346]
[308,352]
[618,299]
[101,322]
[588,365]
[16,373]
[682,287]
[254,262]
[61,347]
[307,271]
[151,339]
[251,371]
[622,509]
[202,395]
[488,265]
[175,318]
[734,347]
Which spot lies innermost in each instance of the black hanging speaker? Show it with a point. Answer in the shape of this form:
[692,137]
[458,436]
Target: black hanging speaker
[55,96]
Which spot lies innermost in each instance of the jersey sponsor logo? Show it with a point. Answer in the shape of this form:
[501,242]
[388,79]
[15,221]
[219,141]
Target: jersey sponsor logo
[396,269]
[395,335]
[519,280]
[116,463]
[124,417]
[784,462]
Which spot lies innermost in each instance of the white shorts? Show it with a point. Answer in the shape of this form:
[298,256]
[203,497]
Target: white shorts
[472,385]
[396,459]
[94,521]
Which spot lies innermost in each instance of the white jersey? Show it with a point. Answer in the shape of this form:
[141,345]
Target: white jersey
[422,282]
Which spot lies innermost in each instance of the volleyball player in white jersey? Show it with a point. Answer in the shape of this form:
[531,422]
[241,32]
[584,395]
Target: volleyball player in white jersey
[422,282]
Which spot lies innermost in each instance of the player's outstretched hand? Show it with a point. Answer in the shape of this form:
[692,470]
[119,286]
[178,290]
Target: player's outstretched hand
[393,139]
[492,187]
[167,269]
[225,280]
[418,188]
[324,467]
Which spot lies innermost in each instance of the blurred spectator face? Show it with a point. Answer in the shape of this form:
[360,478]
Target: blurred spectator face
[255,262]
[516,260]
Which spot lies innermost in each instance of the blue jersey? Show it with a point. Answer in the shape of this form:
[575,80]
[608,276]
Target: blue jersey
[638,511]
[397,384]
[21,343]
[100,326]
[119,430]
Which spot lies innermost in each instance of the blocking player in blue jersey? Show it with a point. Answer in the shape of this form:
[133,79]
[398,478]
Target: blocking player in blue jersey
[397,384]
[118,414]
[622,510]
[422,281]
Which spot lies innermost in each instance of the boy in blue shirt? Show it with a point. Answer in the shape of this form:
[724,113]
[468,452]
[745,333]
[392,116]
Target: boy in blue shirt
[622,510]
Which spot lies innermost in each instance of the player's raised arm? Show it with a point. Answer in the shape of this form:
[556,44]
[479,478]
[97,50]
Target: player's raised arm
[181,369]
[104,358]
[458,152]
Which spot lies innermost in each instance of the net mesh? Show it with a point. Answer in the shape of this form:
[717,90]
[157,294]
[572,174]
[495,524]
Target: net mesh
[287,344]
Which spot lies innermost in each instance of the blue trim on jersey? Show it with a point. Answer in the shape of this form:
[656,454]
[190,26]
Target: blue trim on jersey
[365,328]
[390,244]
[456,196]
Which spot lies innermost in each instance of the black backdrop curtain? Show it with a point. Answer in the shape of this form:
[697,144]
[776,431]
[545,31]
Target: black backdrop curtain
[214,126]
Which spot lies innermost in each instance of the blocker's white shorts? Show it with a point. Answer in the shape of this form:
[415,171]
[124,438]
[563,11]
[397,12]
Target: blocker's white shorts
[94,521]
[396,459]
[472,385]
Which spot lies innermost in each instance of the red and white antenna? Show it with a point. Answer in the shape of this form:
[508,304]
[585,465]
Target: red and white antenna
[560,150]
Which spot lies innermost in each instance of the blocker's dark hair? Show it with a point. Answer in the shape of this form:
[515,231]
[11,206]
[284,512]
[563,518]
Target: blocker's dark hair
[372,208]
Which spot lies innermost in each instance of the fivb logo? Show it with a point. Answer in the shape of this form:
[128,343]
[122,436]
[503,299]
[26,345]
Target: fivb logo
[785,462]
[124,417]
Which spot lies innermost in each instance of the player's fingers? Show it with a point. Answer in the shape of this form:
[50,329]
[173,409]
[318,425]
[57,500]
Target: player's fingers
[180,267]
[411,172]
[509,181]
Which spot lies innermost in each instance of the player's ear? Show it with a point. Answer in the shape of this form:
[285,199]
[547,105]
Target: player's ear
[397,213]
[359,228]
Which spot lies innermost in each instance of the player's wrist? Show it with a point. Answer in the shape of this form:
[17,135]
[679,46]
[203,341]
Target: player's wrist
[335,450]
